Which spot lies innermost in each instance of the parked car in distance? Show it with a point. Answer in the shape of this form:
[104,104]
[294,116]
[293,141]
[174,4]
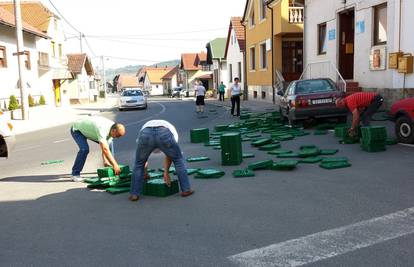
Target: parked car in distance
[132,99]
[176,92]
[311,99]
[402,112]
[7,138]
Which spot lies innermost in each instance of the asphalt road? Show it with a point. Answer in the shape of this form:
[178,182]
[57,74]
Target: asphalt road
[47,220]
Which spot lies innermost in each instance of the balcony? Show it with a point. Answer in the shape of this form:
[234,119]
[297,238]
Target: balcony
[296,15]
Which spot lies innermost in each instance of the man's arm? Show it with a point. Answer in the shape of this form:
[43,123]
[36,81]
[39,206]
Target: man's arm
[355,122]
[167,165]
[106,152]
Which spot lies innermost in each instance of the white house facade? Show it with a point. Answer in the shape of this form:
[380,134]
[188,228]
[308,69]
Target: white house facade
[364,40]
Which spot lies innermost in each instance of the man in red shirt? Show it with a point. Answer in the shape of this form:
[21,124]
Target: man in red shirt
[362,105]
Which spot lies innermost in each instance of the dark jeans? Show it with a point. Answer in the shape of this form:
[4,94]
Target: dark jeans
[221,96]
[235,100]
[371,109]
[149,139]
[83,152]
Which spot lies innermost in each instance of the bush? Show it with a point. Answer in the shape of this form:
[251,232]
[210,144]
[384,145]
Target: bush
[31,101]
[42,100]
[13,104]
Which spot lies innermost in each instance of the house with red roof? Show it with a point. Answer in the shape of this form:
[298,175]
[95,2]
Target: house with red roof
[194,67]
[171,80]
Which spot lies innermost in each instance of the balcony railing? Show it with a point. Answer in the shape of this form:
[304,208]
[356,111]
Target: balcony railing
[296,15]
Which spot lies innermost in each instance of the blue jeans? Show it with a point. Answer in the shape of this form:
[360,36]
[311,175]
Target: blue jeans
[161,138]
[80,160]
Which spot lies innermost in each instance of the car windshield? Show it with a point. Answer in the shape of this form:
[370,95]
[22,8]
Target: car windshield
[314,86]
[132,93]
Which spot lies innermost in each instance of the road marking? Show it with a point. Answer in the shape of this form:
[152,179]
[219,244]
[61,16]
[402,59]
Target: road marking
[26,148]
[150,117]
[330,243]
[61,141]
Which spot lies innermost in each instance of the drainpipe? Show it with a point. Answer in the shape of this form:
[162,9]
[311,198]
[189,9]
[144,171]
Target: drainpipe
[245,89]
[273,57]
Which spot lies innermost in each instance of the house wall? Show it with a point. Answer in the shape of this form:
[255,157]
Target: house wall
[259,81]
[9,76]
[281,19]
[377,80]
[234,57]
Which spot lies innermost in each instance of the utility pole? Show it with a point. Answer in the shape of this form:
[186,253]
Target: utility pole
[19,41]
[104,75]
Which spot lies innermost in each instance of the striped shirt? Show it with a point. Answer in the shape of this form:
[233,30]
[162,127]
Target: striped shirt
[359,100]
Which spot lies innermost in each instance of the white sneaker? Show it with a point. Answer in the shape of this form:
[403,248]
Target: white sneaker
[77,178]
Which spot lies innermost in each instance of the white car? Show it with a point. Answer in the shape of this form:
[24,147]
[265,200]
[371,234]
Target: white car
[7,138]
[132,98]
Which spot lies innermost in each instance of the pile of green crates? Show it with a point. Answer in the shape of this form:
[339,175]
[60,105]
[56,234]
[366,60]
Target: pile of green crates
[374,138]
[200,135]
[107,180]
[158,188]
[342,132]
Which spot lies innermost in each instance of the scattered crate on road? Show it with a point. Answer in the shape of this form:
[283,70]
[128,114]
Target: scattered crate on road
[158,188]
[209,174]
[261,165]
[243,173]
[200,135]
[284,165]
[196,159]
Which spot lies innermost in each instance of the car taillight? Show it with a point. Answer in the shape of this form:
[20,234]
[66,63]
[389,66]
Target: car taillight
[299,103]
[10,126]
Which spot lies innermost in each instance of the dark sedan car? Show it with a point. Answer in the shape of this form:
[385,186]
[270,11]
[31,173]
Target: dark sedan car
[311,99]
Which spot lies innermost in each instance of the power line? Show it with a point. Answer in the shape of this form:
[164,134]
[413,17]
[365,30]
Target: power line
[60,14]
[89,47]
[156,34]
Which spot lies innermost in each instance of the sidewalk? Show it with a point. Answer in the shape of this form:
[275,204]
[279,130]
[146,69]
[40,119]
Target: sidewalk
[44,117]
[253,105]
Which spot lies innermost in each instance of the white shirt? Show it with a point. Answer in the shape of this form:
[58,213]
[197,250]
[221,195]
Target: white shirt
[200,90]
[235,89]
[162,123]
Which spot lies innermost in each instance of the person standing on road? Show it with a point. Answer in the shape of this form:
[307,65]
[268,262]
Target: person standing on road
[200,92]
[99,130]
[154,136]
[235,91]
[362,105]
[221,89]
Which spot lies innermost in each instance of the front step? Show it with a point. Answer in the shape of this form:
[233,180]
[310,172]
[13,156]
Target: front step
[352,87]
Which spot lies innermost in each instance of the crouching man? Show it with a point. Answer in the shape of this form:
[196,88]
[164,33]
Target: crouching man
[156,136]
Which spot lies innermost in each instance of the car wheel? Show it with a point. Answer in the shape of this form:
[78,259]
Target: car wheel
[404,130]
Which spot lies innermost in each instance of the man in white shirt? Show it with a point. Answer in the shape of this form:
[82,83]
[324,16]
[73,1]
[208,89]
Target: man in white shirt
[235,91]
[156,136]
[200,92]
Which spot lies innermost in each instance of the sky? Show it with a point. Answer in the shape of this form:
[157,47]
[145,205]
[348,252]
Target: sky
[144,31]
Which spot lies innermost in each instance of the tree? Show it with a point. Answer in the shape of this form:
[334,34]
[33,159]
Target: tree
[42,100]
[13,104]
[31,101]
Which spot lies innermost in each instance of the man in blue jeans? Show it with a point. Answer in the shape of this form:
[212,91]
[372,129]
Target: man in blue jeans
[99,130]
[156,136]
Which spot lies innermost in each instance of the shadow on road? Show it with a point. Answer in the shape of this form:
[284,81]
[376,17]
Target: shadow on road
[60,178]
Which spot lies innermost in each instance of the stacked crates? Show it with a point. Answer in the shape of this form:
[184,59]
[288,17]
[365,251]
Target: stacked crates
[158,188]
[231,149]
[374,138]
[200,135]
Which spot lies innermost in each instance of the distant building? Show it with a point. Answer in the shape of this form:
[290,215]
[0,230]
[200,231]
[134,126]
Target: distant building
[194,67]
[215,58]
[171,80]
[82,88]
[153,79]
[126,81]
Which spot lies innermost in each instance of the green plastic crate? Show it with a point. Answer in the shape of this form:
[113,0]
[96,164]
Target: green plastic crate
[311,160]
[253,135]
[117,190]
[262,142]
[243,173]
[209,174]
[231,149]
[212,143]
[308,147]
[158,188]
[284,165]
[285,137]
[326,152]
[91,180]
[338,159]
[199,135]
[248,155]
[374,133]
[309,152]
[391,141]
[217,147]
[279,151]
[155,175]
[196,159]
[220,127]
[288,155]
[260,165]
[109,171]
[269,147]
[335,165]
[171,170]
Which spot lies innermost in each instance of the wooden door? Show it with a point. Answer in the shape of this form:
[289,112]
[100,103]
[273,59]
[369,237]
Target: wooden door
[292,60]
[346,44]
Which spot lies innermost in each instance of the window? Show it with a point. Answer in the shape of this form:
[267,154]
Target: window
[262,9]
[3,57]
[60,50]
[231,72]
[55,22]
[380,24]
[53,49]
[263,56]
[239,72]
[91,85]
[27,60]
[252,58]
[322,39]
[251,19]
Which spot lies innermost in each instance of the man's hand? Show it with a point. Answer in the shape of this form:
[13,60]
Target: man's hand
[117,170]
[351,132]
[167,179]
[107,164]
